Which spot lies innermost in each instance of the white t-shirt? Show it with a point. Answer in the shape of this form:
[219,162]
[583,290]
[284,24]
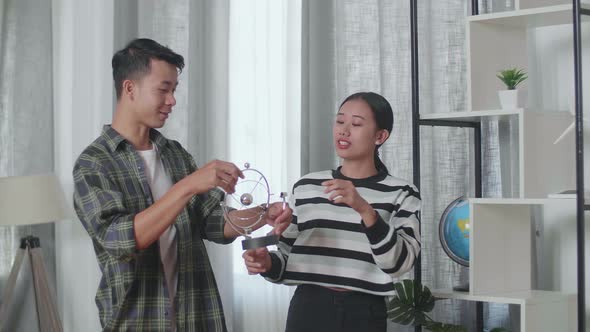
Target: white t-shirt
[160,183]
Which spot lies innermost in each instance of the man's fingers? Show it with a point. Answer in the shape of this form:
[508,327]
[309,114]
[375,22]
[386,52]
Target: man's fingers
[227,177]
[226,187]
[232,170]
[225,167]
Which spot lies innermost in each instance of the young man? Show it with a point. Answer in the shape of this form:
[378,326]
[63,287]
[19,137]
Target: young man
[147,208]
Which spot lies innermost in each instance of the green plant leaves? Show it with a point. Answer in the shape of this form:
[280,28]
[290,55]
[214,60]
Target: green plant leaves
[410,304]
[512,77]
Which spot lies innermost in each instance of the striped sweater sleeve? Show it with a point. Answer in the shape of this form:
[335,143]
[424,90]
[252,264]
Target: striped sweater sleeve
[279,257]
[395,243]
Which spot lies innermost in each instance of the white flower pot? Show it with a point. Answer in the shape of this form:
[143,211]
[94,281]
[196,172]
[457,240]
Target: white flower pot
[508,99]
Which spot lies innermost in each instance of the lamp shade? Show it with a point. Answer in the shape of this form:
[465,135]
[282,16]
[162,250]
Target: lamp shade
[27,200]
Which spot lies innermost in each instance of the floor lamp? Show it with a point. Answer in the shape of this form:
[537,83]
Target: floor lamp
[29,200]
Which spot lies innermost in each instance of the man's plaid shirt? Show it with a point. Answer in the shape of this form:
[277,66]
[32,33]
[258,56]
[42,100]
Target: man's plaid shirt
[110,189]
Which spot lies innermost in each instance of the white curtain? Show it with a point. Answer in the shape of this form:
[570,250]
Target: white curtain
[83,44]
[26,141]
[264,122]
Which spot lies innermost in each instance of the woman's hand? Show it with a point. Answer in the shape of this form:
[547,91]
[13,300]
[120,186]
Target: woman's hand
[279,216]
[257,260]
[344,192]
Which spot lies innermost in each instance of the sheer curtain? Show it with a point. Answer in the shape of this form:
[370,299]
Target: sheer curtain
[264,122]
[83,43]
[26,141]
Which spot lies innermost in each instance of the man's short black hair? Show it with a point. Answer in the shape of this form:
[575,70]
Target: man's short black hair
[133,61]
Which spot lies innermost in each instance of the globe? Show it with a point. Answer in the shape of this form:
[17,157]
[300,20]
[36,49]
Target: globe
[454,231]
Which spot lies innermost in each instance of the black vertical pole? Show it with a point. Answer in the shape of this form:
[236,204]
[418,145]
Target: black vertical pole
[478,183]
[579,166]
[478,169]
[479,194]
[415,122]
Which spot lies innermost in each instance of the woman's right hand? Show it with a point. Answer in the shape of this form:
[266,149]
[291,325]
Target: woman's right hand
[257,260]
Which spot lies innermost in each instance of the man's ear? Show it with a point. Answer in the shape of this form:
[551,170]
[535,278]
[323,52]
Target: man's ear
[129,89]
[381,137]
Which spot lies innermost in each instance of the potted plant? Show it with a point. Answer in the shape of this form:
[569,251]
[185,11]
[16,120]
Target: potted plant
[511,78]
[410,305]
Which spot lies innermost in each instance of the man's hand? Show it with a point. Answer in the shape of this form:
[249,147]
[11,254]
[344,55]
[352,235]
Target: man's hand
[216,173]
[278,217]
[257,260]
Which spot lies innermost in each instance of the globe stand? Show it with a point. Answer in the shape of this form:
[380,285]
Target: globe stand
[250,192]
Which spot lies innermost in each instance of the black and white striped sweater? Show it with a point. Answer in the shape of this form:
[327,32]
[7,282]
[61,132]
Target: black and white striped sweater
[327,244]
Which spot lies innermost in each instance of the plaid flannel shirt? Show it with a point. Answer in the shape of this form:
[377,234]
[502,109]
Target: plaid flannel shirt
[110,189]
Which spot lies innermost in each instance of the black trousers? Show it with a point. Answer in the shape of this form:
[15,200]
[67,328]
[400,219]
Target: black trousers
[316,308]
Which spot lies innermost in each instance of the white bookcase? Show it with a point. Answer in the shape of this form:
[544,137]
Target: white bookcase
[501,248]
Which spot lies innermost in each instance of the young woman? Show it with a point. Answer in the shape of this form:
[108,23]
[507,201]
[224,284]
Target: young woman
[354,230]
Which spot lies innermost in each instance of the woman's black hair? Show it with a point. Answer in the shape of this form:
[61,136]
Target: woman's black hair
[383,118]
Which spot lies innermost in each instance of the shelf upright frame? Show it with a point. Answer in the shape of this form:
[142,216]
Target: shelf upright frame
[415,125]
[580,199]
